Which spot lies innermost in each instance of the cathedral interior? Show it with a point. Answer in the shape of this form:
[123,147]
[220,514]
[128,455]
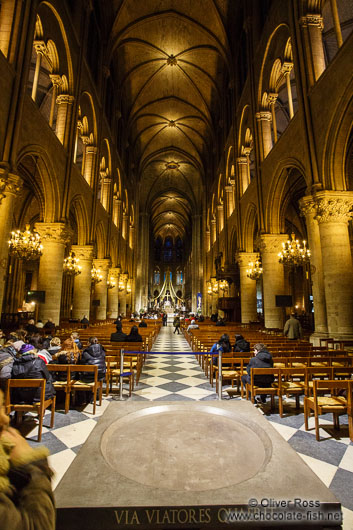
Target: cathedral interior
[176,148]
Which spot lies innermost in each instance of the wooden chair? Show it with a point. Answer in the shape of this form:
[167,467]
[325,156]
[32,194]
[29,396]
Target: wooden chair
[65,385]
[94,387]
[257,390]
[113,370]
[38,407]
[334,404]
[288,385]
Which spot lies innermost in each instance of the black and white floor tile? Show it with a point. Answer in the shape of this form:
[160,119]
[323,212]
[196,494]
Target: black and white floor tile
[178,377]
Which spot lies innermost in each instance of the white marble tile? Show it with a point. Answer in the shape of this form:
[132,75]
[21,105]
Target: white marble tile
[88,410]
[192,381]
[156,381]
[285,431]
[76,434]
[153,392]
[59,463]
[347,460]
[323,470]
[347,519]
[195,393]
[189,372]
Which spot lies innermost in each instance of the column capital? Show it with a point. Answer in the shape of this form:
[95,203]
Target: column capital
[40,47]
[114,272]
[65,98]
[312,20]
[229,188]
[287,67]
[244,258]
[56,79]
[263,115]
[54,232]
[271,243]
[333,206]
[242,160]
[103,264]
[307,205]
[83,252]
[10,184]
[272,97]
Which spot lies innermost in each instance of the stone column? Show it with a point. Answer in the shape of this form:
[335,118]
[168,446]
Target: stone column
[106,188]
[272,98]
[220,216]
[82,284]
[196,259]
[208,241]
[336,22]
[242,164]
[286,69]
[55,237]
[125,226]
[273,278]
[247,287]
[113,294]
[41,50]
[332,214]
[122,300]
[56,82]
[312,39]
[10,187]
[213,231]
[64,103]
[264,125]
[100,290]
[308,209]
[230,199]
[89,163]
[131,236]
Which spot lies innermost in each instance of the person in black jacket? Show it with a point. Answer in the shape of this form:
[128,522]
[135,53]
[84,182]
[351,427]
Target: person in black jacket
[241,344]
[143,323]
[119,336]
[134,335]
[29,366]
[94,355]
[262,359]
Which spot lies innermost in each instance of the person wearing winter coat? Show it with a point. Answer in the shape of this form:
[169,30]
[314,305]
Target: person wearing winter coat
[93,355]
[29,366]
[119,335]
[241,345]
[176,324]
[134,335]
[222,345]
[261,359]
[69,354]
[292,328]
[7,356]
[26,496]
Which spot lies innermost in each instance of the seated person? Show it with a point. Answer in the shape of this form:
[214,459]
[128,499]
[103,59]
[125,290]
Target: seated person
[54,346]
[118,336]
[241,344]
[49,326]
[93,354]
[7,356]
[43,353]
[31,328]
[84,320]
[143,323]
[192,325]
[223,344]
[220,322]
[39,324]
[29,366]
[262,359]
[69,354]
[134,335]
[26,497]
[76,338]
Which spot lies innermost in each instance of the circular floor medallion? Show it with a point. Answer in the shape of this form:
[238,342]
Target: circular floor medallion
[185,450]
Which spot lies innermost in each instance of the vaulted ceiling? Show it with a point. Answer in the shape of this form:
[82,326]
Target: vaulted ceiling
[172,61]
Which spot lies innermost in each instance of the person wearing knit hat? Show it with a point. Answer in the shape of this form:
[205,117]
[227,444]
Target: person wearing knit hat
[26,496]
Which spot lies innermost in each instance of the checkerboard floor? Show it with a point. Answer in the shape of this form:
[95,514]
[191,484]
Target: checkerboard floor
[179,378]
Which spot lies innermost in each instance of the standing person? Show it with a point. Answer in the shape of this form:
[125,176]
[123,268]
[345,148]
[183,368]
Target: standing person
[26,497]
[262,359]
[176,324]
[292,328]
[165,319]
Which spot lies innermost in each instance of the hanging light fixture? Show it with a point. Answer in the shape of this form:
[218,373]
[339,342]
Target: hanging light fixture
[214,285]
[111,283]
[71,265]
[25,245]
[209,287]
[254,272]
[128,286]
[96,275]
[294,253]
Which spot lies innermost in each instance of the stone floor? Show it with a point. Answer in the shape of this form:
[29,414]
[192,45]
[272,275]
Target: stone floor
[177,377]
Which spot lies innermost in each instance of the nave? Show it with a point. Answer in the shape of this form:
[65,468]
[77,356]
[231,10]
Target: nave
[179,377]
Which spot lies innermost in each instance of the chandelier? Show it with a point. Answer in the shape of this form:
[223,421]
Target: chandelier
[111,283]
[254,272]
[223,285]
[96,275]
[123,278]
[128,286]
[293,253]
[71,266]
[25,245]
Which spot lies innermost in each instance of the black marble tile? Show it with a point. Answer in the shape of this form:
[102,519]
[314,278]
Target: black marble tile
[173,387]
[50,441]
[174,397]
[77,448]
[342,487]
[173,376]
[327,450]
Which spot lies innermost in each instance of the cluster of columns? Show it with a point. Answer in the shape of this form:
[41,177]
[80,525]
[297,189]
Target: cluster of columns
[327,215]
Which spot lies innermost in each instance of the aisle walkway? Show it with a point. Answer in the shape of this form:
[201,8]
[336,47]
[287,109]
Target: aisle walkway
[172,377]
